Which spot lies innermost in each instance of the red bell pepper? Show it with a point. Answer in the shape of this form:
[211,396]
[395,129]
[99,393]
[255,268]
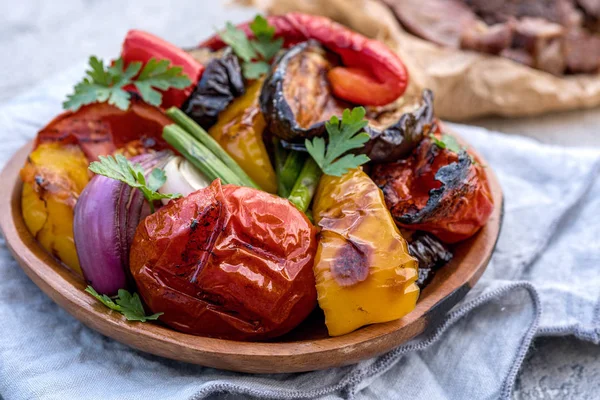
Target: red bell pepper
[100,128]
[372,74]
[452,204]
[142,46]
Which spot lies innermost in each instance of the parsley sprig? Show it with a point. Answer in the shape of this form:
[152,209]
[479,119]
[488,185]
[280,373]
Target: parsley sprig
[256,53]
[450,143]
[343,135]
[121,169]
[107,83]
[127,304]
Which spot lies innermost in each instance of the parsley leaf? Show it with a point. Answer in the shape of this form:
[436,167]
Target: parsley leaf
[127,304]
[343,136]
[254,70]
[121,169]
[107,83]
[450,143]
[255,53]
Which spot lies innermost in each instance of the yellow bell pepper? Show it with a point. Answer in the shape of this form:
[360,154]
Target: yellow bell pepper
[53,177]
[363,271]
[239,131]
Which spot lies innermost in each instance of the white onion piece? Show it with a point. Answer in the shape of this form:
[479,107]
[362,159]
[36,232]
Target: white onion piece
[183,178]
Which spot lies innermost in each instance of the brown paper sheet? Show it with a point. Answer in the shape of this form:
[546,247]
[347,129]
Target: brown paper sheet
[466,84]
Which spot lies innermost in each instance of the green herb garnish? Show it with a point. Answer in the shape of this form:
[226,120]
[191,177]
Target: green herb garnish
[450,143]
[343,135]
[121,169]
[256,53]
[127,304]
[106,83]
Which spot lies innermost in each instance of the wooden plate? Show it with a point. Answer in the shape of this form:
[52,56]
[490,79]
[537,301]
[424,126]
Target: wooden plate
[306,348]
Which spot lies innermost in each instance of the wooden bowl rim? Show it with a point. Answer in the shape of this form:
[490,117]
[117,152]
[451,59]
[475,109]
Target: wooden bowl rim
[67,290]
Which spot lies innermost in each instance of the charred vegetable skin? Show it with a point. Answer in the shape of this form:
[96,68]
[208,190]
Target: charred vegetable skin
[228,262]
[53,177]
[431,254]
[363,271]
[296,96]
[371,73]
[437,191]
[296,101]
[399,139]
[221,82]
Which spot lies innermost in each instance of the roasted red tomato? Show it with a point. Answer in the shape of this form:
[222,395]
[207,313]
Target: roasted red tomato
[227,261]
[437,191]
[101,128]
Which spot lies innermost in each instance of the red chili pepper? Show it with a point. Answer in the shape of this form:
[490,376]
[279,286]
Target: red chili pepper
[452,204]
[142,46]
[227,261]
[372,74]
[100,128]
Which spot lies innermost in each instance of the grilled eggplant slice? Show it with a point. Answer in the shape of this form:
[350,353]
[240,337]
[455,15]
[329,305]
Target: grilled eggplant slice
[296,97]
[221,82]
[297,100]
[431,254]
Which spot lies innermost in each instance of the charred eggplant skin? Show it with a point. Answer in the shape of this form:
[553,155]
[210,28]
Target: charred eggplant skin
[281,119]
[400,139]
[431,254]
[221,82]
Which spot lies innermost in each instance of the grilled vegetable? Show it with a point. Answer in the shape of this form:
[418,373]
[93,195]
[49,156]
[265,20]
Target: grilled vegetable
[143,46]
[229,262]
[100,129]
[363,270]
[53,178]
[239,131]
[296,100]
[221,82]
[106,217]
[208,147]
[182,177]
[371,73]
[394,137]
[437,191]
[431,254]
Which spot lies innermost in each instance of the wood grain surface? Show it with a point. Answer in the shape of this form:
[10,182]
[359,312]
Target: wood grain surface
[304,349]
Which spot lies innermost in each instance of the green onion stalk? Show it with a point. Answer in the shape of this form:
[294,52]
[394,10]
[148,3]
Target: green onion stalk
[200,144]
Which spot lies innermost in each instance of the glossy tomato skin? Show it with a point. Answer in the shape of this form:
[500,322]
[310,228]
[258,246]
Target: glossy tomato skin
[228,262]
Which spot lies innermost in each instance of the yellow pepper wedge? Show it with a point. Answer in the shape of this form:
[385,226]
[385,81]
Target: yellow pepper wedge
[53,177]
[363,271]
[239,131]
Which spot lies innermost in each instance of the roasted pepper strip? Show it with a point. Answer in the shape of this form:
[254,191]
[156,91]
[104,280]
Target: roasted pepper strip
[372,74]
[142,46]
[239,130]
[437,191]
[100,128]
[227,261]
[363,270]
[53,177]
